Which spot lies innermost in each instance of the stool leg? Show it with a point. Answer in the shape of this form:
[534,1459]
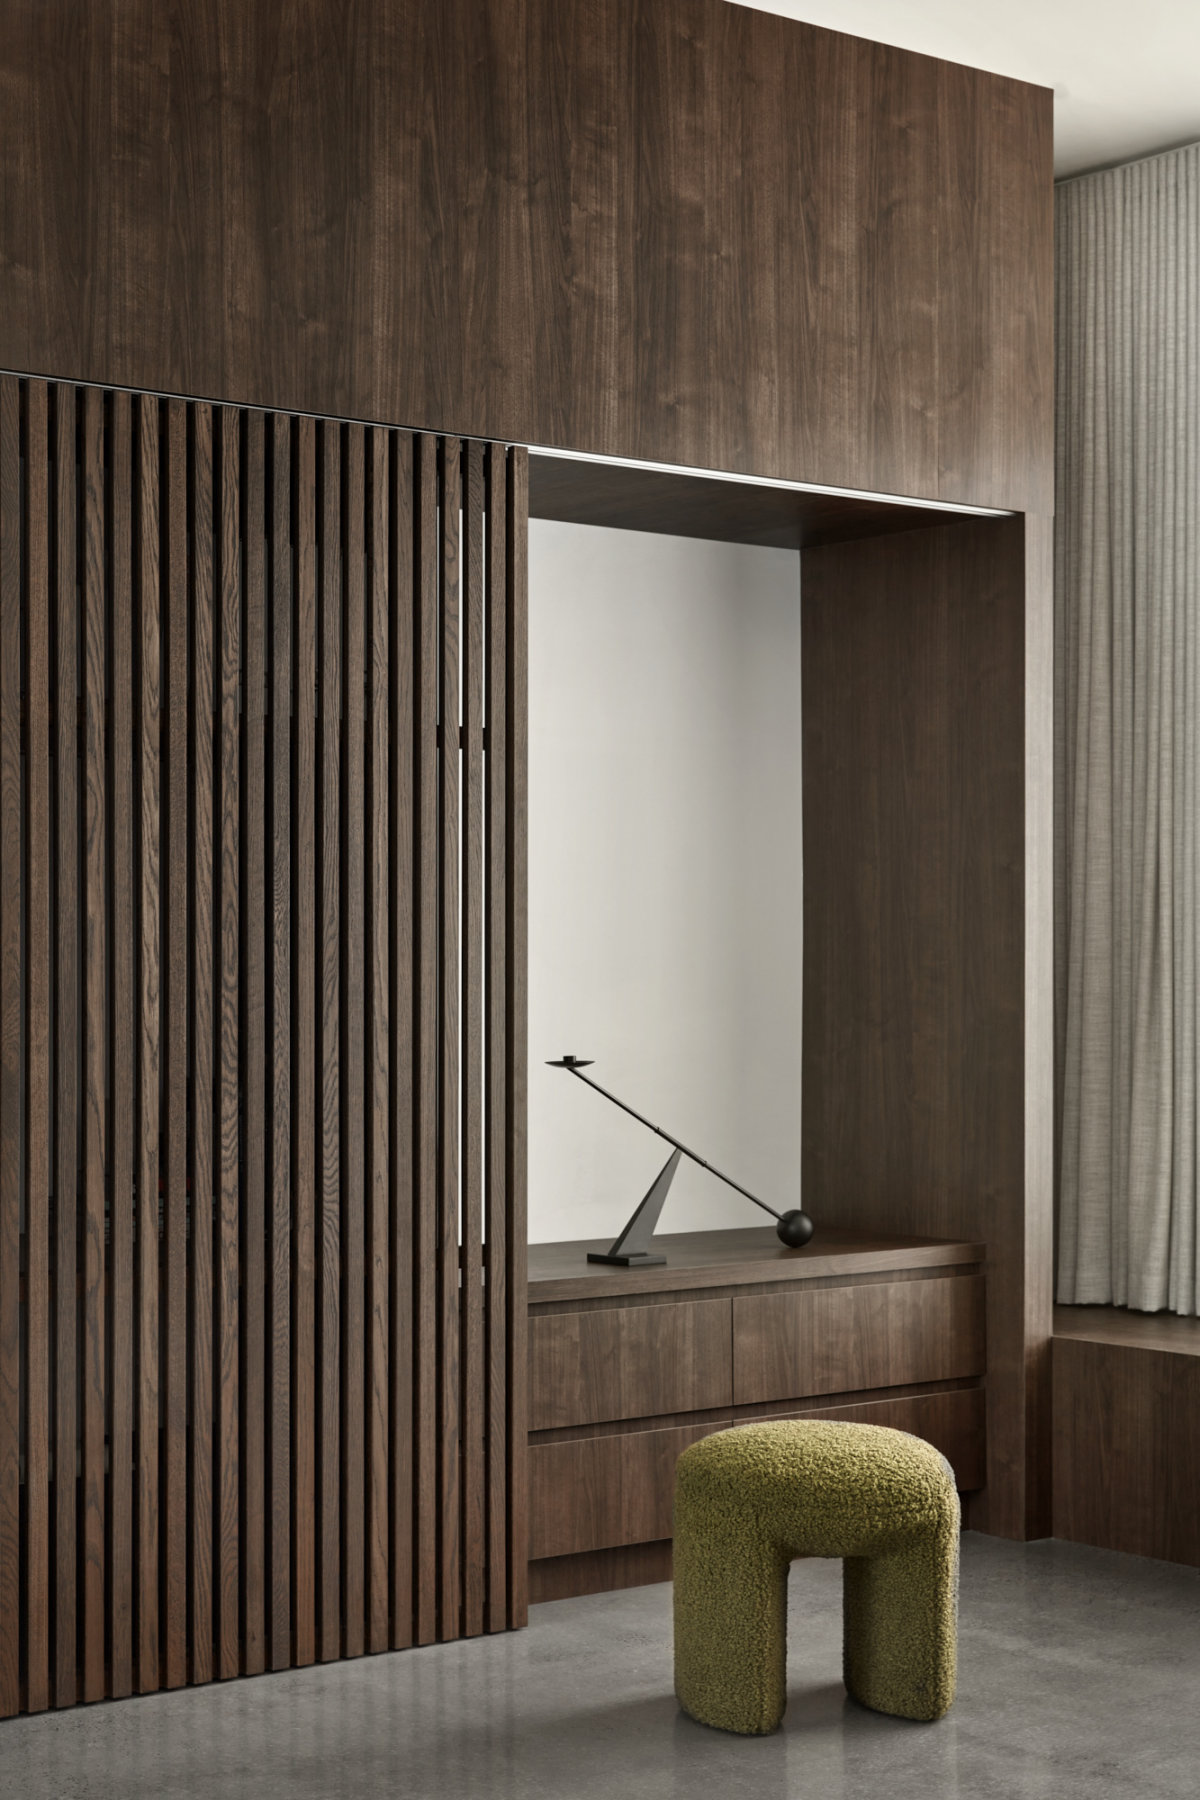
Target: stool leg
[730,1625]
[901,1626]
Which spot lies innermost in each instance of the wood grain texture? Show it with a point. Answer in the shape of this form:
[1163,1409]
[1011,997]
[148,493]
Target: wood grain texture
[1127,1445]
[743,1255]
[690,233]
[425,1038]
[449,1255]
[176,927]
[954,1421]
[995,402]
[210,779]
[916,1058]
[122,1050]
[406,1355]
[352,1051]
[203,621]
[303,820]
[149,564]
[835,1340]
[628,1363]
[327,1114]
[10,1031]
[279,1251]
[227,1039]
[254,916]
[94,1037]
[594,1493]
[599,1571]
[1136,1330]
[67,975]
[685,505]
[36,600]
[377,1048]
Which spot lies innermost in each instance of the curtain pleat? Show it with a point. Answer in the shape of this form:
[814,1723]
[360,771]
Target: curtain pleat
[1127,582]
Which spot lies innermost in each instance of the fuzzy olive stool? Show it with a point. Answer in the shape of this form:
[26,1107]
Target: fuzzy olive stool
[749,1500]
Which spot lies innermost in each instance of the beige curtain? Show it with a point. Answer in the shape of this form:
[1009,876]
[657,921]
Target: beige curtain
[1128,666]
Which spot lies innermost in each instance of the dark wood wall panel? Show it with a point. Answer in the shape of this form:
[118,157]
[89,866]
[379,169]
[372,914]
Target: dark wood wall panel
[922,1043]
[1127,1435]
[260,991]
[847,1339]
[689,232]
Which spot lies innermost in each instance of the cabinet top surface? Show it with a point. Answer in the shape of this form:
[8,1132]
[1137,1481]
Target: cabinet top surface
[697,1259]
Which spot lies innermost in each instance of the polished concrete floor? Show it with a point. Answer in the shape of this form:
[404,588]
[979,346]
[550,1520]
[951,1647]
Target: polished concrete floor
[1079,1679]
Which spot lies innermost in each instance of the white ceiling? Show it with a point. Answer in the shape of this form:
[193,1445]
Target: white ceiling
[1125,73]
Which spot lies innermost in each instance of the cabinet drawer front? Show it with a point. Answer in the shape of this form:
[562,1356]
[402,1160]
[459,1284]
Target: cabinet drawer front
[844,1339]
[594,1493]
[628,1363]
[953,1421]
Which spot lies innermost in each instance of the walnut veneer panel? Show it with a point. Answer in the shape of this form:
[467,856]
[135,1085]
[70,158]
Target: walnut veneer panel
[628,1363]
[1138,1330]
[599,1571]
[639,499]
[927,979]
[1127,1447]
[690,232]
[744,1256]
[953,1420]
[593,1493]
[838,1340]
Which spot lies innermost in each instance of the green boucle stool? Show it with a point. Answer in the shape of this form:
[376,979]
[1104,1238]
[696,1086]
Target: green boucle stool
[749,1500]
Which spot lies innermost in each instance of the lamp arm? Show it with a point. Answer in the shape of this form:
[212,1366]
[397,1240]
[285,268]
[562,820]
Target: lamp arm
[728,1179]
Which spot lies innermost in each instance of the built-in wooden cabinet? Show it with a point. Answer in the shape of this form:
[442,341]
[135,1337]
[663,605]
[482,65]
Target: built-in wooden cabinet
[629,1367]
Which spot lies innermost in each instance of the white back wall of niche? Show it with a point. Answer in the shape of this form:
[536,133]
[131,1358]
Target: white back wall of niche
[665,874]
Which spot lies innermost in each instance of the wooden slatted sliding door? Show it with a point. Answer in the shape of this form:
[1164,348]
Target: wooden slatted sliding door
[262,820]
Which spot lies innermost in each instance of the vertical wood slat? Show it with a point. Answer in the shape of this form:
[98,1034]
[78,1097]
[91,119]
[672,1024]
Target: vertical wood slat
[377,1045]
[471,978]
[92,573]
[425,1045]
[253,1031]
[516,766]
[36,601]
[279,1509]
[173,1591]
[290,1444]
[303,1051]
[10,1029]
[448,1258]
[201,722]
[226,1038]
[406,1364]
[495,1058]
[146,1560]
[354,1199]
[66,1136]
[122,1051]
[328,1110]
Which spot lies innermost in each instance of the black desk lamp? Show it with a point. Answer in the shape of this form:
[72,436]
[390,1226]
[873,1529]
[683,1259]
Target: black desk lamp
[632,1249]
